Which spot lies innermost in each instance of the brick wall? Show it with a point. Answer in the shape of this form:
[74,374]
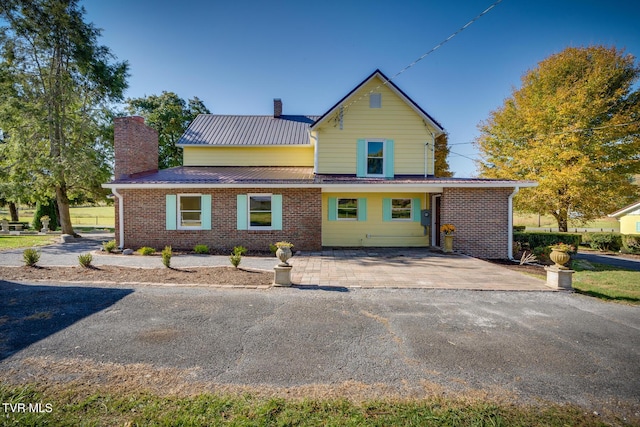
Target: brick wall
[145,219]
[135,145]
[481,219]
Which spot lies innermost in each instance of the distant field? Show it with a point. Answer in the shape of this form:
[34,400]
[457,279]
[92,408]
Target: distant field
[90,215]
[547,221]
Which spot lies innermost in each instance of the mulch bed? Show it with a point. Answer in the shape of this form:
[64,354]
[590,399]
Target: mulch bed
[218,276]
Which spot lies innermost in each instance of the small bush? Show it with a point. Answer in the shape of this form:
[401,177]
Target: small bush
[166,256]
[31,257]
[631,243]
[273,248]
[235,259]
[85,260]
[519,228]
[146,250]
[239,250]
[605,241]
[542,254]
[201,249]
[109,246]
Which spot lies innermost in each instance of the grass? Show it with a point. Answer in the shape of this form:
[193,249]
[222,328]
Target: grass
[88,216]
[24,241]
[548,221]
[608,283]
[70,407]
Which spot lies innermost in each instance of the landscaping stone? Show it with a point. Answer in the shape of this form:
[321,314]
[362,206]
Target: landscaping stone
[127,252]
[66,238]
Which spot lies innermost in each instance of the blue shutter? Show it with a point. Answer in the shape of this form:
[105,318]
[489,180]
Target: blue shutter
[332,208]
[276,211]
[241,212]
[386,209]
[361,158]
[638,226]
[362,209]
[416,208]
[389,159]
[205,208]
[171,212]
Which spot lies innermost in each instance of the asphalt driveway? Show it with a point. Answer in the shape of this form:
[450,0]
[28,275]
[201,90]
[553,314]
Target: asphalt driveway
[562,347]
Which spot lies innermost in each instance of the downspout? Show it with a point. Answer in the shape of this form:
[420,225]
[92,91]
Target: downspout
[510,223]
[120,216]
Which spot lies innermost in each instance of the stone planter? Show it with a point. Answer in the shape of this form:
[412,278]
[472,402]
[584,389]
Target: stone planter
[45,225]
[283,254]
[560,258]
[5,226]
[448,243]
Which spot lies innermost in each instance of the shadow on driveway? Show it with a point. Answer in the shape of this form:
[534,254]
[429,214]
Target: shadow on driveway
[30,313]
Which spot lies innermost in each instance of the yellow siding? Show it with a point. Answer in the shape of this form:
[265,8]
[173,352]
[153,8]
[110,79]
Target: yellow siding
[628,224]
[374,231]
[395,120]
[248,156]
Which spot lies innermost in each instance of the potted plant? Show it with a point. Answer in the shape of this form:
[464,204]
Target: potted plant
[284,252]
[448,230]
[560,255]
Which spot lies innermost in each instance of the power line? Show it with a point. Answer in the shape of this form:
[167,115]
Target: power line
[433,49]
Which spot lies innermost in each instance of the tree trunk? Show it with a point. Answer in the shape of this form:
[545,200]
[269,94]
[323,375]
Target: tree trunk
[561,217]
[63,210]
[13,212]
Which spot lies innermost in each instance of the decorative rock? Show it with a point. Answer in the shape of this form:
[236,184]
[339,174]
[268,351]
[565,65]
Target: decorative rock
[66,238]
[127,252]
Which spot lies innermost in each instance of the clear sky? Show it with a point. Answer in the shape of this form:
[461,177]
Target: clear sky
[238,55]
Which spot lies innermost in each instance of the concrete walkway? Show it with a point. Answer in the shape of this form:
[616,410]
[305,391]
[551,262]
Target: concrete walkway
[357,268]
[406,268]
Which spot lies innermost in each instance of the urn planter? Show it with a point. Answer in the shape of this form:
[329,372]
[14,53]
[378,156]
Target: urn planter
[560,258]
[448,243]
[283,254]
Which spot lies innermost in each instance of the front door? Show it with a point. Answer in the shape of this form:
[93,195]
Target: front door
[435,233]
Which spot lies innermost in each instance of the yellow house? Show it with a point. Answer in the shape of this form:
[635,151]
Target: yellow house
[361,174]
[629,218]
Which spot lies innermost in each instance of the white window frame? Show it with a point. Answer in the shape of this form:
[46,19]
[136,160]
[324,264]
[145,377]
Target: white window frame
[398,209]
[256,227]
[338,208]
[179,225]
[366,157]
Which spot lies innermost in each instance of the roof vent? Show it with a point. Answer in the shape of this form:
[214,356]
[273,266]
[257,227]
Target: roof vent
[277,108]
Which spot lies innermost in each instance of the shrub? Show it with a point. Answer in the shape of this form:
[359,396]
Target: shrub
[239,250]
[85,260]
[235,259]
[201,249]
[166,256]
[533,240]
[109,246]
[519,228]
[542,254]
[31,257]
[146,250]
[273,248]
[605,241]
[631,242]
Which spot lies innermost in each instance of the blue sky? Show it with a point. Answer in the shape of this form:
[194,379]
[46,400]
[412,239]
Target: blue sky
[238,55]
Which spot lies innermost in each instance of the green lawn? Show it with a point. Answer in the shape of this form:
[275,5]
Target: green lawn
[72,408]
[24,241]
[531,220]
[608,283]
[88,216]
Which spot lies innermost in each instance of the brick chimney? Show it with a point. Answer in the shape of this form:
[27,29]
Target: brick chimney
[136,147]
[277,108]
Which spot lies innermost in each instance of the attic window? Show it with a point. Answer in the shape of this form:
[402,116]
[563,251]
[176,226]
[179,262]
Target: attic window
[375,100]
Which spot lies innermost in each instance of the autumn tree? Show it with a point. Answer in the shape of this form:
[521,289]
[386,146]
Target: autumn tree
[170,115]
[64,82]
[441,154]
[574,127]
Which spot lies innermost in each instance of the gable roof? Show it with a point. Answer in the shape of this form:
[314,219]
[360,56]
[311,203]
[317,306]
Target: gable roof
[224,130]
[625,210]
[395,89]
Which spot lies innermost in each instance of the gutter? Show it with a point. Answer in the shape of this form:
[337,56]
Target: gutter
[510,223]
[120,216]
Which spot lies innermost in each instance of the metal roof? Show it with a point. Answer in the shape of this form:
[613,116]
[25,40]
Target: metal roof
[225,130]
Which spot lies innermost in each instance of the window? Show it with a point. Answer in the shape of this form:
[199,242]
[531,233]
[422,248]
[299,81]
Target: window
[190,212]
[638,226]
[348,209]
[401,209]
[375,158]
[375,100]
[259,211]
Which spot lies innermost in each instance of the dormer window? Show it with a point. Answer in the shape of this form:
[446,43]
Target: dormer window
[375,100]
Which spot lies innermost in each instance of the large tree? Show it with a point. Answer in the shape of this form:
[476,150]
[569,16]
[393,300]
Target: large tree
[170,115]
[574,127]
[63,82]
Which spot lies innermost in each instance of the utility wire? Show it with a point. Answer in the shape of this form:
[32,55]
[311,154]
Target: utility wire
[433,49]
